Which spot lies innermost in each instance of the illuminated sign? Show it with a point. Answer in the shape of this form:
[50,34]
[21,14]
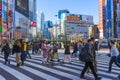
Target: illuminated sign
[33,24]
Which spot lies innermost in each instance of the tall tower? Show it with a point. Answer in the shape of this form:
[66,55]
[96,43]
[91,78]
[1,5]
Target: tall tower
[42,20]
[102,18]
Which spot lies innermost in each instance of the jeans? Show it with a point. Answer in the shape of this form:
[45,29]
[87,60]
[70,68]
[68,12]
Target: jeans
[27,53]
[6,57]
[113,59]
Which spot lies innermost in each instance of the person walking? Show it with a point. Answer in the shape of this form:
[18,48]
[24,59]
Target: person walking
[45,51]
[23,53]
[114,53]
[50,51]
[94,53]
[89,61]
[6,49]
[28,49]
[75,49]
[17,50]
[67,53]
[55,52]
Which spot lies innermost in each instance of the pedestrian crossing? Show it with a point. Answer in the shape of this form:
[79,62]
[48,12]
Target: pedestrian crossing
[35,70]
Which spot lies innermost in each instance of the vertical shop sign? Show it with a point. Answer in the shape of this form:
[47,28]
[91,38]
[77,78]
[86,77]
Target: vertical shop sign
[0,16]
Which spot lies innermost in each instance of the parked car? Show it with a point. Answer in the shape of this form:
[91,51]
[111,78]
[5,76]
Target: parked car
[104,44]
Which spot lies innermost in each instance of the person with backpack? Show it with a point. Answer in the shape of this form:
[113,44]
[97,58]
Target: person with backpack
[6,49]
[87,56]
[113,53]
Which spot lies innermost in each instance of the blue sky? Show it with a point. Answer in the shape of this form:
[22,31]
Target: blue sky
[51,7]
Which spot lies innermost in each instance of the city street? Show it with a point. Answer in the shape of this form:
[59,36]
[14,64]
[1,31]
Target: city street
[35,70]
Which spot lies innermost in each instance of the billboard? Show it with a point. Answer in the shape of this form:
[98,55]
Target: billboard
[84,18]
[4,11]
[22,6]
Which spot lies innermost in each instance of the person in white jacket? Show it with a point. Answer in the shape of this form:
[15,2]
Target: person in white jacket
[114,53]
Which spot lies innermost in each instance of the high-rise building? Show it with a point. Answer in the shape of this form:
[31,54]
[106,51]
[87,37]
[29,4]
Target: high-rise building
[109,18]
[60,12]
[42,20]
[32,18]
[102,18]
[118,19]
[47,30]
[108,25]
[38,22]
[74,24]
[16,17]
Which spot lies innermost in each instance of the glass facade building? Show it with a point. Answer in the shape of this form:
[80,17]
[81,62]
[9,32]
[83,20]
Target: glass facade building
[16,17]
[108,19]
[60,12]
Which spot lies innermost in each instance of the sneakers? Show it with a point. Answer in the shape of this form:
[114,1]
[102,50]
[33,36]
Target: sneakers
[98,78]
[82,77]
[18,65]
[109,71]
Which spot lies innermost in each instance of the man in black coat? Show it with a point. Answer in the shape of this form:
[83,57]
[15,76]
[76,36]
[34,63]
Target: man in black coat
[89,62]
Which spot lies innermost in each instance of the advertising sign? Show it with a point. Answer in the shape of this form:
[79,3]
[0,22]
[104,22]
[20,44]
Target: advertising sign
[22,6]
[75,18]
[4,11]
[87,18]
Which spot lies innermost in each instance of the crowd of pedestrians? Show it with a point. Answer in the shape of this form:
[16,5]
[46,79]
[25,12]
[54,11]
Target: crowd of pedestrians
[49,51]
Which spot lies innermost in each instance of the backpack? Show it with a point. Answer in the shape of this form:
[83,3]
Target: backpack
[7,49]
[84,54]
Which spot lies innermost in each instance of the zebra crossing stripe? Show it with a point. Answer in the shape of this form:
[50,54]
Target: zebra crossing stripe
[101,64]
[68,69]
[100,67]
[113,65]
[53,71]
[76,71]
[100,72]
[38,73]
[2,78]
[15,73]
